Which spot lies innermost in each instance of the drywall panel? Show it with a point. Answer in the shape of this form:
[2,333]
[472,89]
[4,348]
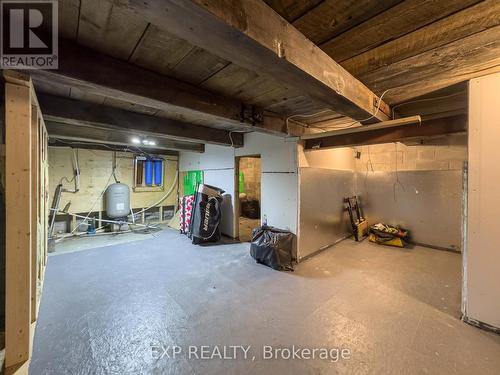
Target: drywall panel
[217,164]
[278,154]
[279,177]
[323,220]
[428,203]
[224,179]
[214,157]
[482,255]
[280,200]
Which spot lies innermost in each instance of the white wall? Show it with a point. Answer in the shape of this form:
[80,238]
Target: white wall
[482,252]
[279,182]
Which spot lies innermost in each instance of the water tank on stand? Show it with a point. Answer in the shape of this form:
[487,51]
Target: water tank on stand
[117,200]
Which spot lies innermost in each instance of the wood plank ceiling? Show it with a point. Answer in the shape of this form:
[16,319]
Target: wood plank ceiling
[411,48]
[118,32]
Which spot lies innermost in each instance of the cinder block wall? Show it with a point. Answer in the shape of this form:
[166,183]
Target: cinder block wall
[251,170]
[441,154]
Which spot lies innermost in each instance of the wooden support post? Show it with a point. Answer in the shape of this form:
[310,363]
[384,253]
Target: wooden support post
[19,226]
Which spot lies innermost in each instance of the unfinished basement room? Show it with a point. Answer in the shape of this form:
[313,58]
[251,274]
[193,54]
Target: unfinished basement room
[249,187]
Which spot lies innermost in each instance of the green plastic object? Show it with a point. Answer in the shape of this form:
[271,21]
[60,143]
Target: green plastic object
[191,179]
[242,182]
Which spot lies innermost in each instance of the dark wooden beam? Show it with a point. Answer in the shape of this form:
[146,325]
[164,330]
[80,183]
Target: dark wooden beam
[55,142]
[69,111]
[456,124]
[250,34]
[96,73]
[100,134]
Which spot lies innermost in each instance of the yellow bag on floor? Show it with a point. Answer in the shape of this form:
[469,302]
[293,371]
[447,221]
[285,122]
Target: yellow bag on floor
[389,235]
[395,241]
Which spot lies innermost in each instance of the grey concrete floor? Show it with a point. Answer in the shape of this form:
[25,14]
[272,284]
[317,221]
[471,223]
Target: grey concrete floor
[107,310]
[79,243]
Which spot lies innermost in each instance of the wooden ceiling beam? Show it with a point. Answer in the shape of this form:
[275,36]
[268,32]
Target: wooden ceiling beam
[58,142]
[250,34]
[70,111]
[101,135]
[95,73]
[430,128]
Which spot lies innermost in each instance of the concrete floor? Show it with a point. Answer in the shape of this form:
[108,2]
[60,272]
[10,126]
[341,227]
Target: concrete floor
[105,311]
[79,243]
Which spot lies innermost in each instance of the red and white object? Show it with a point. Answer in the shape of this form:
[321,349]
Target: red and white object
[185,210]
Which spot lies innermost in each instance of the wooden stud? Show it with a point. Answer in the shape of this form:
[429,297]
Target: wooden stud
[19,225]
[35,192]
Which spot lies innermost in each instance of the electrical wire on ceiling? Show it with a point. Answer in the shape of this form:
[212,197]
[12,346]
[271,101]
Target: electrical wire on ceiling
[305,116]
[379,102]
[424,100]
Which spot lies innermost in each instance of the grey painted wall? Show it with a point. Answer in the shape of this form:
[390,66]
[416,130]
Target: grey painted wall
[323,220]
[428,203]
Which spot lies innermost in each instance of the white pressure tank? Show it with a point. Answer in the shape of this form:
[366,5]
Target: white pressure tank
[117,200]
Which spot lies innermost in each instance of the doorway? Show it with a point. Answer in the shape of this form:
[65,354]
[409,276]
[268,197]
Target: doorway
[248,193]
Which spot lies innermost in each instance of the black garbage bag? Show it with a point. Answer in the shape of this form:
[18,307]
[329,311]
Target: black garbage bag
[273,247]
[206,215]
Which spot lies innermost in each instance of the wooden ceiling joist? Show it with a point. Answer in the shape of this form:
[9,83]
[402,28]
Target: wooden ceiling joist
[94,73]
[250,34]
[75,112]
[430,128]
